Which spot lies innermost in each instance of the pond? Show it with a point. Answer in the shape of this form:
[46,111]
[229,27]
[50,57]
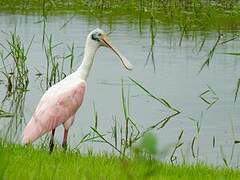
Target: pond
[166,62]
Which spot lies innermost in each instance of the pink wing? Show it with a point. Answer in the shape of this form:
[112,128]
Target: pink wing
[56,106]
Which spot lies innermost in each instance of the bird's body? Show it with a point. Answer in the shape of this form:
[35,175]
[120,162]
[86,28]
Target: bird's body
[57,106]
[60,102]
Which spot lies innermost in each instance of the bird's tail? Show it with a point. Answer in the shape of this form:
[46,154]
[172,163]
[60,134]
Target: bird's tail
[30,133]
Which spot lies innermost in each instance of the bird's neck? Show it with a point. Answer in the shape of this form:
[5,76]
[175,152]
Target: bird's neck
[85,67]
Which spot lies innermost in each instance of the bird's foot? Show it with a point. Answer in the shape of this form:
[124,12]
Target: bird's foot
[64,146]
[51,145]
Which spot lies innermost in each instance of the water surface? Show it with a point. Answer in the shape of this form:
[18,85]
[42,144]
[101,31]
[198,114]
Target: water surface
[175,78]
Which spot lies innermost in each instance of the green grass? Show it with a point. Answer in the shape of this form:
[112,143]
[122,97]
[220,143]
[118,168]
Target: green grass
[188,14]
[17,162]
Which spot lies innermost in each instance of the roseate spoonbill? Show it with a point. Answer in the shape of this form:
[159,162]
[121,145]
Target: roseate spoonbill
[60,102]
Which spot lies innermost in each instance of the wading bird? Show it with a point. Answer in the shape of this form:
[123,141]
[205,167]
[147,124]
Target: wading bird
[60,102]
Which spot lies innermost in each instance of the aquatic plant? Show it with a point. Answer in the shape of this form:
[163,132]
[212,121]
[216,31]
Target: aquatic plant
[188,14]
[16,81]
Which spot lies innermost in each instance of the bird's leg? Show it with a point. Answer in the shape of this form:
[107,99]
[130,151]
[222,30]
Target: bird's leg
[64,142]
[51,144]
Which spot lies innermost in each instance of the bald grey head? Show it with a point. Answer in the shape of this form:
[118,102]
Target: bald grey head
[98,38]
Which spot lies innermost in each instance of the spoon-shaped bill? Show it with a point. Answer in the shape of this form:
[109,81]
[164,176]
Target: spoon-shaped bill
[123,59]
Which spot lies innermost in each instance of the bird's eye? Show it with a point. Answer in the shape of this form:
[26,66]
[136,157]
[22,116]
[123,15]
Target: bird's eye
[94,37]
[99,34]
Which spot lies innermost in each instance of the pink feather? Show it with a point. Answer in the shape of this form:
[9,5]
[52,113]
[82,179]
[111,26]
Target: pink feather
[57,106]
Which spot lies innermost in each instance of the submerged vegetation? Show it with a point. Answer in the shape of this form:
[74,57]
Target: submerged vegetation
[187,14]
[19,162]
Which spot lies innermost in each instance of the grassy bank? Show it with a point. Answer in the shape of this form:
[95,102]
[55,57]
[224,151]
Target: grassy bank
[17,162]
[188,14]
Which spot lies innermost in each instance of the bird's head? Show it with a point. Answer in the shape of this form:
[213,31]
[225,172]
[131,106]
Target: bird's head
[99,38]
